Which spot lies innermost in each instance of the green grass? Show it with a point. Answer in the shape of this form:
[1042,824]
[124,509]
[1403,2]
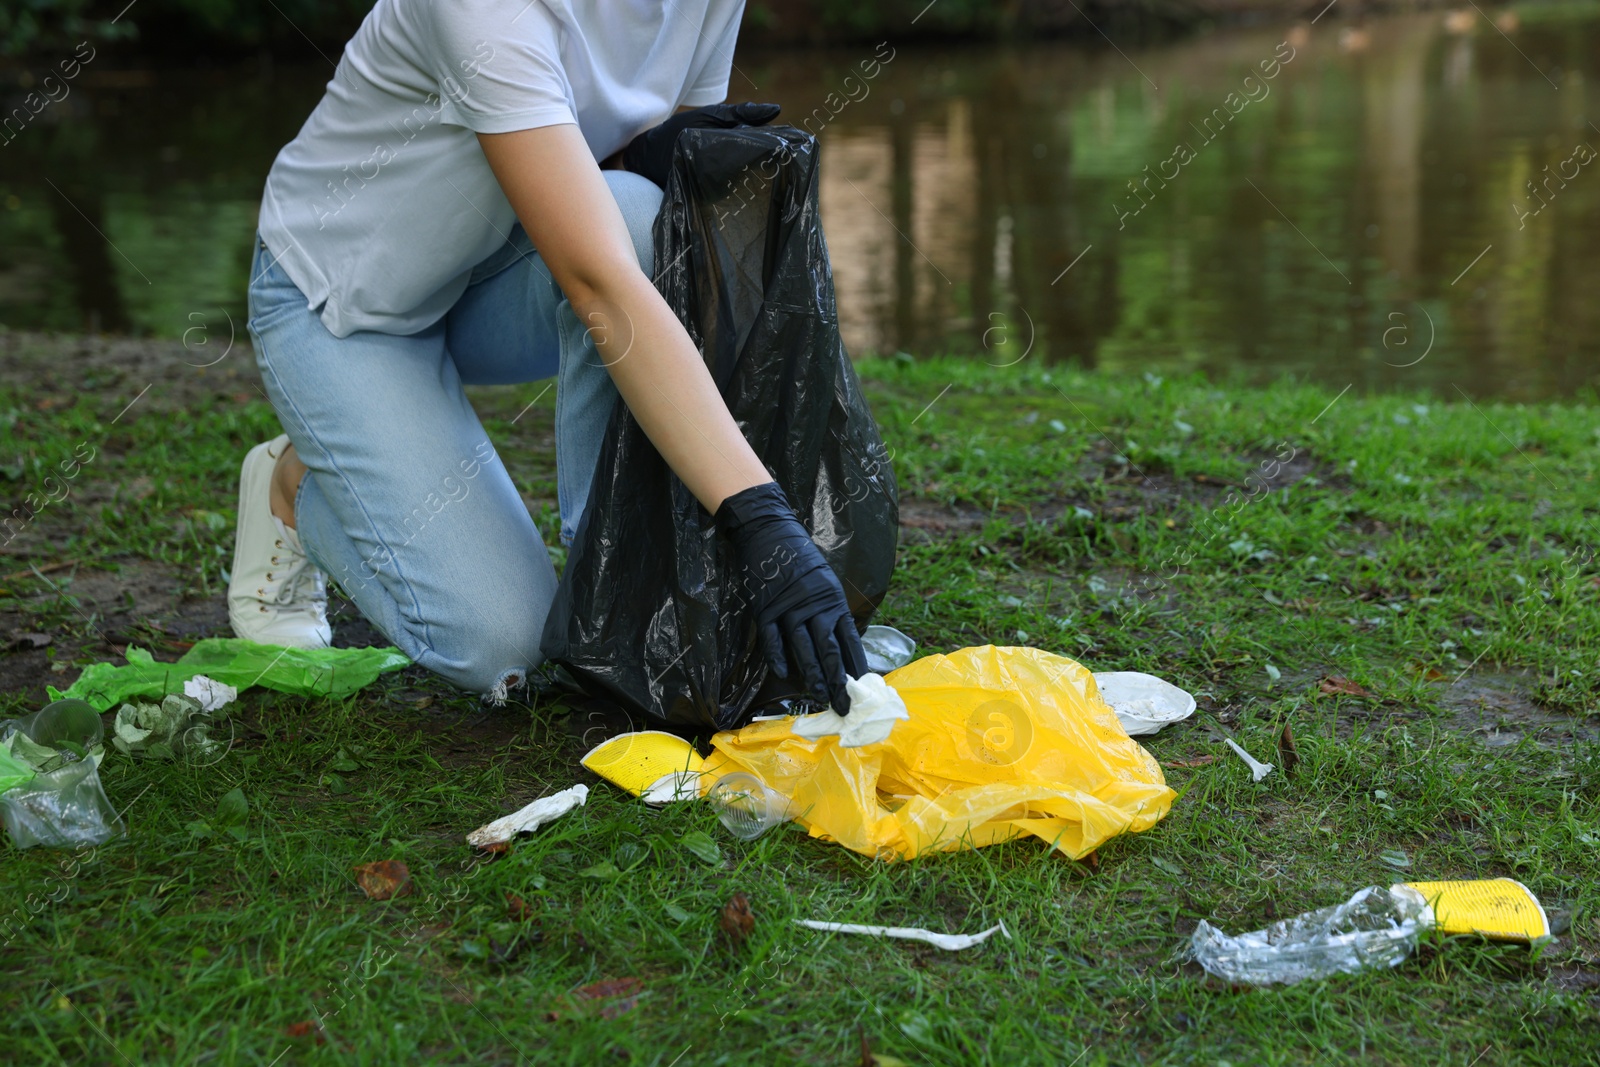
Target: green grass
[1409,541]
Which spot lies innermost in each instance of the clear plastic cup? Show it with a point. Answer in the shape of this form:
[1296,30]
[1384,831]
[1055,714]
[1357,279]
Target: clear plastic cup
[62,720]
[747,806]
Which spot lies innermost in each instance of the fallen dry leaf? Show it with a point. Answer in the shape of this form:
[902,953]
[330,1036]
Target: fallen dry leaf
[517,909]
[384,879]
[607,988]
[1197,761]
[614,996]
[429,931]
[306,1028]
[30,640]
[508,951]
[737,920]
[1337,685]
[1288,755]
[873,1059]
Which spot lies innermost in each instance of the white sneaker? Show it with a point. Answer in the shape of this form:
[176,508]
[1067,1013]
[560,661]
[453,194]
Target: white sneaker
[276,596]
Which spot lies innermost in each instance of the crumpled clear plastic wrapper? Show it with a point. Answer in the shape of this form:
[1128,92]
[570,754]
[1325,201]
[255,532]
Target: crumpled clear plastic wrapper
[63,808]
[1378,927]
[62,802]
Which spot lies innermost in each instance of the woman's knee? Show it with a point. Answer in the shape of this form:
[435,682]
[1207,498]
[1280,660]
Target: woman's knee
[639,198]
[479,622]
[490,659]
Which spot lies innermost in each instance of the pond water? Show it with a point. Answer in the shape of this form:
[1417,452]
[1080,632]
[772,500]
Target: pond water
[1408,203]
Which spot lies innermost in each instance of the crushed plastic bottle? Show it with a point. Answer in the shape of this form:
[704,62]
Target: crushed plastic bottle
[887,648]
[1378,927]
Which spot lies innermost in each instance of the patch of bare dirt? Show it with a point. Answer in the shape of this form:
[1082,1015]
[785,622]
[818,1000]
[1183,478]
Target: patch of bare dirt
[88,613]
[1576,979]
[54,371]
[1498,710]
[1122,492]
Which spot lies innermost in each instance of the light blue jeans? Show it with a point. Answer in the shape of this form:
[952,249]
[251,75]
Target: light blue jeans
[407,506]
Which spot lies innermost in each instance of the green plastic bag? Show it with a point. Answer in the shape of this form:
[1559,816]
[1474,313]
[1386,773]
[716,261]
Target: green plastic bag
[13,772]
[334,672]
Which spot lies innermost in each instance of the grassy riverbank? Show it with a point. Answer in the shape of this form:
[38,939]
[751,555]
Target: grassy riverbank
[1248,544]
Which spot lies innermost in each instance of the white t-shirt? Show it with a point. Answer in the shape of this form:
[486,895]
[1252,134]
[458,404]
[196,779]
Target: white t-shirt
[382,205]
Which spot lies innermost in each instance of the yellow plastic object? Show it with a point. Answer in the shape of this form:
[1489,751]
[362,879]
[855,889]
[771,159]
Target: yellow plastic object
[634,761]
[1494,907]
[1001,742]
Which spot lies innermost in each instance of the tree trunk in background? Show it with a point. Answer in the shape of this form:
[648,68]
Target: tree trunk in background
[901,191]
[81,224]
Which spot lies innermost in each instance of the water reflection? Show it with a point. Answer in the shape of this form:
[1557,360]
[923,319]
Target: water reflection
[1398,204]
[1322,221]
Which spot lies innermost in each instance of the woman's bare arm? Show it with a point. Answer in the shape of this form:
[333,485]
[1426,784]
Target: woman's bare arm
[567,209]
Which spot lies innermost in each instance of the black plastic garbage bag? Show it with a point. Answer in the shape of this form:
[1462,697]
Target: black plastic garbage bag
[650,612]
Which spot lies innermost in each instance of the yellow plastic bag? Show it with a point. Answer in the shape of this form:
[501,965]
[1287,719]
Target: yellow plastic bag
[1001,742]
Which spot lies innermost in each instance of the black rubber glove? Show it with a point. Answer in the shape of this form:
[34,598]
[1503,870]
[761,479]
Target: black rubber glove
[797,598]
[650,153]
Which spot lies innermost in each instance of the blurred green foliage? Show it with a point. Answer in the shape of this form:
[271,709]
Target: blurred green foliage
[177,25]
[29,24]
[855,17]
[181,26]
